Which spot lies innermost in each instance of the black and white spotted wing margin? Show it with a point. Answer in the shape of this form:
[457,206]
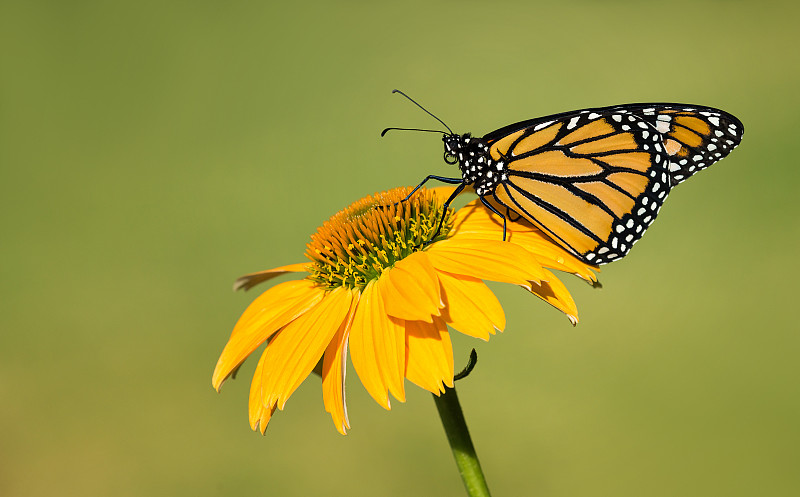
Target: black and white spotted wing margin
[694,136]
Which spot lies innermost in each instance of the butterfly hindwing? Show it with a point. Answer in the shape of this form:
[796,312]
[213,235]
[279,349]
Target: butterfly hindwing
[593,179]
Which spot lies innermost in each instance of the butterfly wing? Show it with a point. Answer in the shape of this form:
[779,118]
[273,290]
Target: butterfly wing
[595,179]
[694,137]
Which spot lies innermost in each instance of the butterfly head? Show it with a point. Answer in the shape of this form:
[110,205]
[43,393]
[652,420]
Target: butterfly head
[454,147]
[478,167]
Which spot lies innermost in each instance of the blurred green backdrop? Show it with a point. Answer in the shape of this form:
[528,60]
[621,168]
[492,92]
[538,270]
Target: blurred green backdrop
[151,152]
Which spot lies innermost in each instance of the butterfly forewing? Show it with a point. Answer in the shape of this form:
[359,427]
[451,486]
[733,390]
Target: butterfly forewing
[694,136]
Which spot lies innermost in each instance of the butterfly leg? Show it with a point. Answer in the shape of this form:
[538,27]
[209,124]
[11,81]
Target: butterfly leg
[491,208]
[449,181]
[446,206]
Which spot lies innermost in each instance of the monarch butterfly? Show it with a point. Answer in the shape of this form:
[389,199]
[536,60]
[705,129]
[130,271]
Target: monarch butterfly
[593,179]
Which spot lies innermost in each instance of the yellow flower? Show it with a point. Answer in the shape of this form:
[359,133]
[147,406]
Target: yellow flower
[375,287]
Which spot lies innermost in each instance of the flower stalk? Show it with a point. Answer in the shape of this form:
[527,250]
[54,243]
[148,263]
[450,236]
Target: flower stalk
[460,442]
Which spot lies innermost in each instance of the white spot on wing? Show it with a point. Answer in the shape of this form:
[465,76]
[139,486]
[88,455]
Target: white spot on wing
[573,122]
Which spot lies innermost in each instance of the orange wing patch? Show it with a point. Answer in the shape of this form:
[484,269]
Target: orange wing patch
[501,146]
[572,237]
[538,139]
[686,136]
[598,127]
[638,161]
[555,163]
[620,141]
[633,184]
[591,216]
[672,147]
[693,123]
[620,204]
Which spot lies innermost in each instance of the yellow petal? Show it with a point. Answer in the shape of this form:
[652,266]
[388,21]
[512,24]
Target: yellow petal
[296,349]
[259,413]
[475,221]
[411,290]
[334,370]
[362,350]
[390,348]
[376,342]
[551,255]
[471,307]
[556,294]
[486,259]
[267,314]
[248,281]
[429,355]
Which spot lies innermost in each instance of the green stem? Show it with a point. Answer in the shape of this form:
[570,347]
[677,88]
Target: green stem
[458,435]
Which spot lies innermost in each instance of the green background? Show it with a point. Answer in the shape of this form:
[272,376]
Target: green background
[151,152]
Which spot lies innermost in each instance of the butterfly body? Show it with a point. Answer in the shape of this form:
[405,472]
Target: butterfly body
[593,179]
[478,167]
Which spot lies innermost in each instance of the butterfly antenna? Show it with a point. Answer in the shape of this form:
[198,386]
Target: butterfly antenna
[426,110]
[413,129]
